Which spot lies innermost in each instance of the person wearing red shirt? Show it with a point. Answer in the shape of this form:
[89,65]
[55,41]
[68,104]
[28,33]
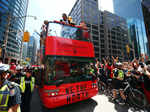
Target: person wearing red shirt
[13,66]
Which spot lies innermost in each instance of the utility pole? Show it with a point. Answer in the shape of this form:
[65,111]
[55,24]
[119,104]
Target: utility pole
[4,46]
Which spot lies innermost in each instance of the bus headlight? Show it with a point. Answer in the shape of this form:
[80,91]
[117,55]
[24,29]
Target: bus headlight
[53,94]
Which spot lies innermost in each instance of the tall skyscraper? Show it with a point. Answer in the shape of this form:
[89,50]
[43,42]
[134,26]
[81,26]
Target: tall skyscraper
[12,21]
[106,29]
[146,14]
[87,11]
[32,49]
[132,11]
[116,35]
[24,53]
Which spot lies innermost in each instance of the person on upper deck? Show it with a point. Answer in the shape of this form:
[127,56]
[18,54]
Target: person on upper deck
[85,32]
[64,18]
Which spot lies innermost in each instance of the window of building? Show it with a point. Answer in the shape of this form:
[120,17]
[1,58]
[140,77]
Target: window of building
[102,46]
[102,41]
[102,51]
[95,37]
[97,55]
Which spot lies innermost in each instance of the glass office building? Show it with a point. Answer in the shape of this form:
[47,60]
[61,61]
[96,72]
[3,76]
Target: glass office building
[108,31]
[146,14]
[87,11]
[32,49]
[116,35]
[132,11]
[14,10]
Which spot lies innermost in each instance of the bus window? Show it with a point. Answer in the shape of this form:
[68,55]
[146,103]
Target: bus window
[62,70]
[66,31]
[66,71]
[59,30]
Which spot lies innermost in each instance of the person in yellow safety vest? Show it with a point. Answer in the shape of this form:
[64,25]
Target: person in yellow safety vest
[27,84]
[118,77]
[92,70]
[10,95]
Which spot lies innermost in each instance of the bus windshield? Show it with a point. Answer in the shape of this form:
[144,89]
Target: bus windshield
[66,31]
[66,72]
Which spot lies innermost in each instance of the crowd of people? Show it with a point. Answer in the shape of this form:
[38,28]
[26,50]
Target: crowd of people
[17,84]
[118,72]
[16,88]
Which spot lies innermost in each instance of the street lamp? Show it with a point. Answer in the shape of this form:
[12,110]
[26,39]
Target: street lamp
[9,18]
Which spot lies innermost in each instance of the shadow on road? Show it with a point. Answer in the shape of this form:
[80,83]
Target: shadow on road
[83,106]
[120,108]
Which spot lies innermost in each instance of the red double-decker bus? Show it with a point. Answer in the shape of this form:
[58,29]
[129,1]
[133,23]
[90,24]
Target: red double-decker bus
[65,56]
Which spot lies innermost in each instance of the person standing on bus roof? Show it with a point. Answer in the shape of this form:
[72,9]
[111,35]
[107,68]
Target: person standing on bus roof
[85,31]
[83,25]
[43,33]
[27,85]
[64,18]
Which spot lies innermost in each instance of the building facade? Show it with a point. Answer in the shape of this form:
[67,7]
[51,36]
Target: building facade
[132,11]
[99,23]
[87,11]
[12,22]
[146,14]
[116,35]
[24,53]
[32,50]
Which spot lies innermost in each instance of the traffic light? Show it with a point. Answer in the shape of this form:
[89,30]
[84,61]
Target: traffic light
[128,49]
[26,37]
[28,59]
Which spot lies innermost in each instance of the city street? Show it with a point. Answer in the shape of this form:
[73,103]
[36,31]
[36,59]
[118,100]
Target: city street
[98,103]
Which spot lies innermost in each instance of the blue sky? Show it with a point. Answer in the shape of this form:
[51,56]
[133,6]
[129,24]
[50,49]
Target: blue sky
[52,10]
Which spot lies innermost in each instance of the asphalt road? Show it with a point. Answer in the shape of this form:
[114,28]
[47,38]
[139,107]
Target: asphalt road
[98,103]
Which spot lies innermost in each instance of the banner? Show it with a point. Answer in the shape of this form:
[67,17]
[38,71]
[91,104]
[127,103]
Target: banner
[68,47]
